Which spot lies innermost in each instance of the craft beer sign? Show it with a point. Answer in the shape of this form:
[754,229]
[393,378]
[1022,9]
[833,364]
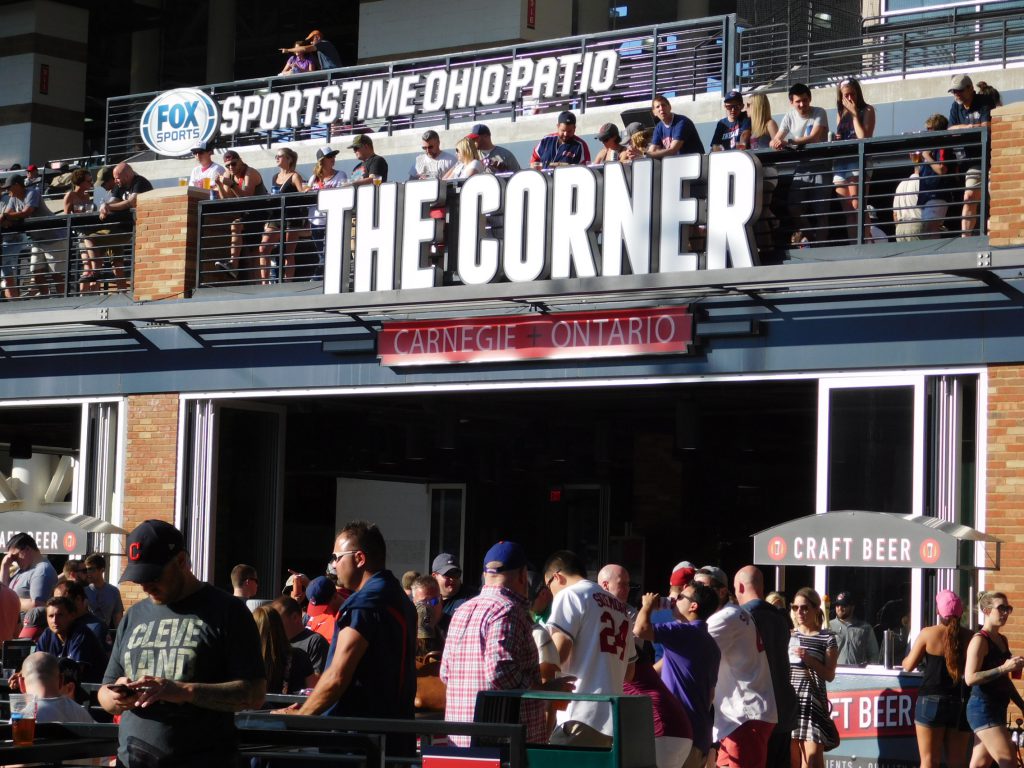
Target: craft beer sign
[574,222]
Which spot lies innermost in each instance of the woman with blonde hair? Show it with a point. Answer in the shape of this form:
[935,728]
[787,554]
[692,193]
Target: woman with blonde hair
[284,182]
[470,161]
[289,669]
[940,718]
[987,670]
[762,126]
[813,655]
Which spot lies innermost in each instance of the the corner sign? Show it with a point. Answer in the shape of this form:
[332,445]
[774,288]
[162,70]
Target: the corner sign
[559,336]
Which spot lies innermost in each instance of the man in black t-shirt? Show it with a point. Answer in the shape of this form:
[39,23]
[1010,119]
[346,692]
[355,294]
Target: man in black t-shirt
[371,167]
[118,208]
[969,109]
[184,661]
[306,640]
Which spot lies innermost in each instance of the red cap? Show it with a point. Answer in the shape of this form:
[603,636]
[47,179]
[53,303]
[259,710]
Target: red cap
[473,136]
[33,168]
[681,577]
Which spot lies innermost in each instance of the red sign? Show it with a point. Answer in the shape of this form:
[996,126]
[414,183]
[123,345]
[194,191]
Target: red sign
[873,714]
[531,14]
[44,79]
[618,333]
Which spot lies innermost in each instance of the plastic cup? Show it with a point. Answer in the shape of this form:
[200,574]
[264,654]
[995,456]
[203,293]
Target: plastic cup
[1016,674]
[182,181]
[23,718]
[206,182]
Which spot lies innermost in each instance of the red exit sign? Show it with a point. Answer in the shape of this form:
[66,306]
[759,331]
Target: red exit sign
[579,335]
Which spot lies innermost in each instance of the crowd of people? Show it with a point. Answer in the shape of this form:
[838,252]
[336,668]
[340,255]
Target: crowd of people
[734,679]
[941,196]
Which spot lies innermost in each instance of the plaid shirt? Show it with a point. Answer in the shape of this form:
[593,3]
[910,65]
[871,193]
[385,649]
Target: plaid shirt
[490,648]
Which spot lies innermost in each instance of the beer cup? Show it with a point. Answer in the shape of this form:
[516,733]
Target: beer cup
[23,718]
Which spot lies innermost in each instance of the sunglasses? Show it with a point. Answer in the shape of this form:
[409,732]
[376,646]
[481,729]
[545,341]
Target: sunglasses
[1004,608]
[336,556]
[430,602]
[801,607]
[230,163]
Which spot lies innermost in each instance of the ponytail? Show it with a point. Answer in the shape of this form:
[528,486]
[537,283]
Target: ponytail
[952,648]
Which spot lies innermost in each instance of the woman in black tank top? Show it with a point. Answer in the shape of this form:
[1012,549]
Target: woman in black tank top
[940,717]
[988,670]
[285,181]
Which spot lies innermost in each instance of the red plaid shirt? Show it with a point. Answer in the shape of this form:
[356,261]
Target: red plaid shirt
[490,648]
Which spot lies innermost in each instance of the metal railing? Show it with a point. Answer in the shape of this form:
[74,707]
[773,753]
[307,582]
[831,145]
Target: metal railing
[942,41]
[67,256]
[682,59]
[829,194]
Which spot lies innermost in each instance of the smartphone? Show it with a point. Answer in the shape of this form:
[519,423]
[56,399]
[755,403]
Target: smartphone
[123,690]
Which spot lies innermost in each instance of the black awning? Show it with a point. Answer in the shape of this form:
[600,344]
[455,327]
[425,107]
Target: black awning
[870,540]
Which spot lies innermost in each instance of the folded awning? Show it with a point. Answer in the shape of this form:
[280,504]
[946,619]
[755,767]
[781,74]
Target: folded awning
[872,540]
[56,533]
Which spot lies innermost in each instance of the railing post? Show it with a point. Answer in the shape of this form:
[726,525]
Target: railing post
[983,203]
[583,98]
[861,167]
[654,63]
[730,45]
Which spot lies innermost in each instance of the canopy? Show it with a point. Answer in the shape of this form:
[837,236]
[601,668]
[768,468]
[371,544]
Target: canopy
[871,540]
[55,533]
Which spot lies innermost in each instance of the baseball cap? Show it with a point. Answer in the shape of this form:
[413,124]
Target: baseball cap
[681,576]
[314,33]
[12,180]
[480,129]
[360,140]
[504,556]
[959,83]
[326,151]
[845,598]
[633,128]
[733,96]
[104,174]
[150,547]
[320,591]
[291,580]
[445,563]
[716,573]
[567,117]
[32,168]
[949,604]
[608,131]
[202,146]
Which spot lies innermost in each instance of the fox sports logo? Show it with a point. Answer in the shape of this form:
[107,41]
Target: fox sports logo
[177,120]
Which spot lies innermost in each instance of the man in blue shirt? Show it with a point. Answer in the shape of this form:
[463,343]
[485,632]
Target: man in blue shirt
[733,130]
[71,638]
[370,668]
[563,147]
[674,134]
[969,109]
[690,664]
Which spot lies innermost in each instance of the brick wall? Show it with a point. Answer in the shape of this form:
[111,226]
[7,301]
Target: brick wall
[1005,488]
[165,243]
[1006,223]
[151,455]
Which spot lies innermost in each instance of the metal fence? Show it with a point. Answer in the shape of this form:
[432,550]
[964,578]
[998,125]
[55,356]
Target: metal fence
[682,60]
[62,256]
[831,194]
[939,42]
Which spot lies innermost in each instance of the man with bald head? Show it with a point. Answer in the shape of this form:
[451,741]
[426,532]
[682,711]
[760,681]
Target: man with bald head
[773,627]
[614,579]
[128,185]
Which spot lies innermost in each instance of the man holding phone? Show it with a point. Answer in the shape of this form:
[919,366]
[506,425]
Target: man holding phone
[184,661]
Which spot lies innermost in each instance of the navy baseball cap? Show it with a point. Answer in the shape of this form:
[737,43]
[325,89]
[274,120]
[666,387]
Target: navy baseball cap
[733,96]
[567,117]
[504,556]
[481,130]
[151,546]
[320,590]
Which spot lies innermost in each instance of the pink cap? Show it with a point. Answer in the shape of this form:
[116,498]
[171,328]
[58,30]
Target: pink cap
[949,604]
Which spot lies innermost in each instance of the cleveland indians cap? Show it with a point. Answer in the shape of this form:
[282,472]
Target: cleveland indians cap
[151,546]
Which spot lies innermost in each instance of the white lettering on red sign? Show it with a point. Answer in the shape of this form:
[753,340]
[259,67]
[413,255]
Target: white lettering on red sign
[873,713]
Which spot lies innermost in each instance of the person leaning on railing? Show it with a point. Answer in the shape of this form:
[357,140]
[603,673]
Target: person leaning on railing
[239,181]
[935,171]
[78,199]
[325,176]
[855,119]
[128,185]
[19,207]
[286,181]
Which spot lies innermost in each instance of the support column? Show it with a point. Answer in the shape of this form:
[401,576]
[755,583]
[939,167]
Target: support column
[1006,176]
[150,472]
[43,55]
[220,41]
[166,230]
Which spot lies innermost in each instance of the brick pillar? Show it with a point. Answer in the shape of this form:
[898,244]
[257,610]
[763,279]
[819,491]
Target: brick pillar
[166,228]
[1005,487]
[1006,223]
[151,457]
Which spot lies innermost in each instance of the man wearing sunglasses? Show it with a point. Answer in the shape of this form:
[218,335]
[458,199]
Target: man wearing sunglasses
[371,668]
[969,109]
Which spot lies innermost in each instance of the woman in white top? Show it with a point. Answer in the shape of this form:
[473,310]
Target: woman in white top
[470,160]
[324,177]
